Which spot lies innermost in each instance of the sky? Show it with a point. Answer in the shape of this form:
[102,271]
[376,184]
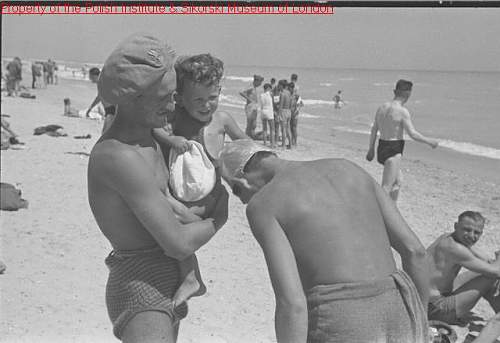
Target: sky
[462,39]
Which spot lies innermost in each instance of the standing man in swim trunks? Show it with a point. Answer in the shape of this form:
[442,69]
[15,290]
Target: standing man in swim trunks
[326,229]
[252,96]
[128,195]
[285,113]
[392,120]
[447,255]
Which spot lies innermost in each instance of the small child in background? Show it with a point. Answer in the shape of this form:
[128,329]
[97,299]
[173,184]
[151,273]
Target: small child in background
[199,130]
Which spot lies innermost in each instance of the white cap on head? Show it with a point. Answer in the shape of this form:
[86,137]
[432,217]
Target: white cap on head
[236,154]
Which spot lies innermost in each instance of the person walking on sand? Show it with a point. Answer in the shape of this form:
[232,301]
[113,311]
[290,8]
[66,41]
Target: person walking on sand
[392,120]
[326,229]
[452,252]
[129,198]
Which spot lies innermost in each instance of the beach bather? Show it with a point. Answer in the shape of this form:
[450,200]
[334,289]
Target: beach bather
[448,255]
[252,107]
[192,151]
[129,198]
[392,120]
[109,109]
[326,229]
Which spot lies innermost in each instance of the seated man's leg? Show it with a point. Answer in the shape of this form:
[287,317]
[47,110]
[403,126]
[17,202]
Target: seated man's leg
[468,294]
[390,175]
[151,327]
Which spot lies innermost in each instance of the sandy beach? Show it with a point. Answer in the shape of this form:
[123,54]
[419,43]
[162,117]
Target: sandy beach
[53,288]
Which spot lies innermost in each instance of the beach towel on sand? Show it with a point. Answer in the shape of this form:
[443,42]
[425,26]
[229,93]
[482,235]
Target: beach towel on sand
[387,310]
[139,281]
[192,174]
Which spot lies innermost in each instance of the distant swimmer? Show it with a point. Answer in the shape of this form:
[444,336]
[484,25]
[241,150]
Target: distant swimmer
[339,103]
[392,119]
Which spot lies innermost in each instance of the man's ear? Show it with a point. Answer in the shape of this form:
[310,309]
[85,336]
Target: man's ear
[455,226]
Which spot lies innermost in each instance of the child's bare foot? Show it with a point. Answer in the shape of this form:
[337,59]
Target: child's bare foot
[190,287]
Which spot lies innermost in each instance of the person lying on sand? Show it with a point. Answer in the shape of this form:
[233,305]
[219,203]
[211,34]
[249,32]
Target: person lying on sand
[129,198]
[447,256]
[326,229]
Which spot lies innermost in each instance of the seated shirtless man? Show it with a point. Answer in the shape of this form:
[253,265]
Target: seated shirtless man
[392,119]
[128,195]
[447,255]
[326,229]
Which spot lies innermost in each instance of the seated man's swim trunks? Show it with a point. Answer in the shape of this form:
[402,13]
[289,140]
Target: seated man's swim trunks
[388,149]
[443,308]
[139,281]
[387,310]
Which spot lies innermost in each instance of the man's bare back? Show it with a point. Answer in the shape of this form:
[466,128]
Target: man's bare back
[318,208]
[389,120]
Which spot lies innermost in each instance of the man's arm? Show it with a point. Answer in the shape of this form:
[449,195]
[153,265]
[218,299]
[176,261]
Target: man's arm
[92,105]
[246,95]
[291,305]
[406,243]
[373,137]
[125,172]
[232,128]
[414,134]
[464,257]
[479,254]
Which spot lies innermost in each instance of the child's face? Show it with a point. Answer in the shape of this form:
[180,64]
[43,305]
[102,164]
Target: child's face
[199,100]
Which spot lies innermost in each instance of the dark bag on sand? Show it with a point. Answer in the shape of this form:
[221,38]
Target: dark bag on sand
[44,129]
[10,198]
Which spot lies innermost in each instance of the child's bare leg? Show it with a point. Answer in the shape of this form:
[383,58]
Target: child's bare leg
[192,285]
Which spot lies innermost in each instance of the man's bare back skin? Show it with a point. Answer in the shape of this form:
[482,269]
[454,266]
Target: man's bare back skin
[389,120]
[317,208]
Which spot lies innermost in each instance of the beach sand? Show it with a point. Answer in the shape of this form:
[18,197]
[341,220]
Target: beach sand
[53,288]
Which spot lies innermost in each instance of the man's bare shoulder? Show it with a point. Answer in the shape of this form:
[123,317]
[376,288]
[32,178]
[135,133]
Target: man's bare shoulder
[446,245]
[111,156]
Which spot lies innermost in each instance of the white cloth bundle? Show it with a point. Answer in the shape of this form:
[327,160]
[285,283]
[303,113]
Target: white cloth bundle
[192,174]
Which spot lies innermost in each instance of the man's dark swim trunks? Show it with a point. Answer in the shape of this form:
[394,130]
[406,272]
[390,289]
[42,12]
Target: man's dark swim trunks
[388,149]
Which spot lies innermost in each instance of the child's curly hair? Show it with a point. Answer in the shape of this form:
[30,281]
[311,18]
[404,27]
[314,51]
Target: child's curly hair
[204,68]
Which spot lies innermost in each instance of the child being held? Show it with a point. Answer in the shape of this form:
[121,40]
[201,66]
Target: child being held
[193,148]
